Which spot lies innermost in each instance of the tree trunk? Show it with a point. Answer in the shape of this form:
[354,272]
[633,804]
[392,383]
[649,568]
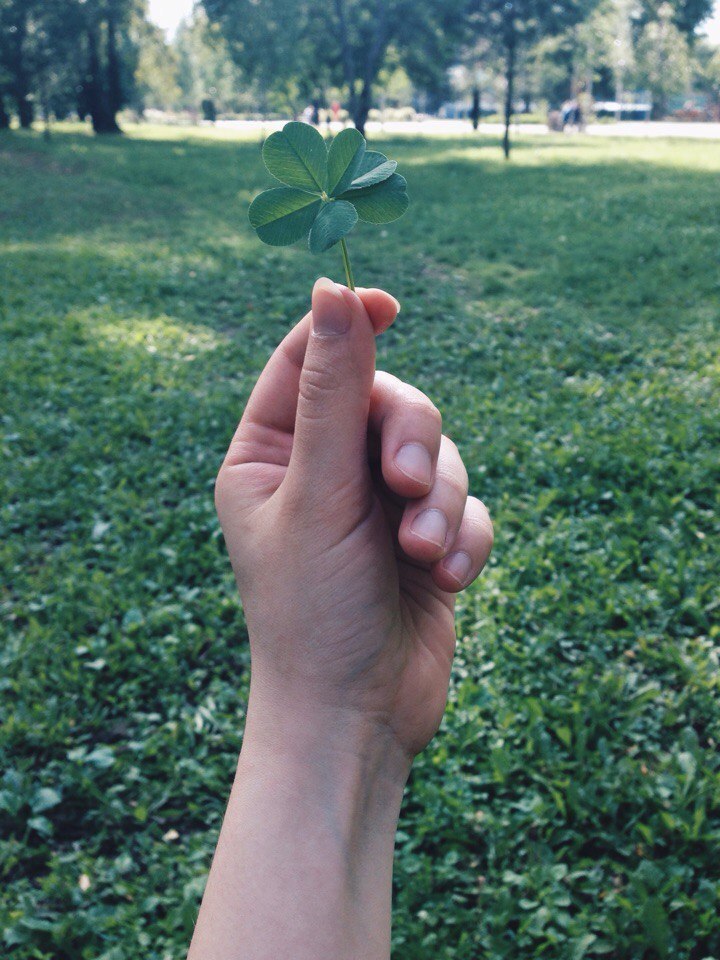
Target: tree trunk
[347,59]
[4,115]
[25,110]
[114,79]
[20,80]
[45,112]
[475,110]
[360,102]
[510,40]
[98,106]
[362,109]
[659,110]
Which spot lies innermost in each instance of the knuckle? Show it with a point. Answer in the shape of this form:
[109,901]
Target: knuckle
[317,385]
[387,381]
[481,522]
[402,401]
[458,484]
[454,476]
[433,415]
[450,448]
[416,402]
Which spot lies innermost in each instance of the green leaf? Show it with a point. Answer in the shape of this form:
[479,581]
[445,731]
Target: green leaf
[45,799]
[283,215]
[655,922]
[344,158]
[296,155]
[581,945]
[335,220]
[374,168]
[382,202]
[564,734]
[41,825]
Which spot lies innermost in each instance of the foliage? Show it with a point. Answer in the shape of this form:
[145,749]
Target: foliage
[707,68]
[315,45]
[686,15]
[663,60]
[89,57]
[156,67]
[35,49]
[562,313]
[206,69]
[513,26]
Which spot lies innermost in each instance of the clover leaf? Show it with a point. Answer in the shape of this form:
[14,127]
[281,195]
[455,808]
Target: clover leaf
[326,190]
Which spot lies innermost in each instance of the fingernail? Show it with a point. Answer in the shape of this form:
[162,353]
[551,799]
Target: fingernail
[414,461]
[458,565]
[330,311]
[431,525]
[397,304]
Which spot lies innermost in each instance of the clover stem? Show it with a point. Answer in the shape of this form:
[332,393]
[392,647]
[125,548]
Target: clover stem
[346,261]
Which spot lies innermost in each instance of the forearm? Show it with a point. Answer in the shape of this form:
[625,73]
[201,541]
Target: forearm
[303,867]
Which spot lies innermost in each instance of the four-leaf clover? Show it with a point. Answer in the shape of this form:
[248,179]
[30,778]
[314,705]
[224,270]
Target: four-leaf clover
[327,190]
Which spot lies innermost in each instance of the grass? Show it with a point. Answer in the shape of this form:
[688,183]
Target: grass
[563,313]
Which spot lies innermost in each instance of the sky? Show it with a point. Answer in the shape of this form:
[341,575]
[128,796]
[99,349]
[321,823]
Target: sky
[712,27]
[168,14]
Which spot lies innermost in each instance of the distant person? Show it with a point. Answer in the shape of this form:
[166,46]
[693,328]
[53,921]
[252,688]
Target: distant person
[335,110]
[307,114]
[315,115]
[571,114]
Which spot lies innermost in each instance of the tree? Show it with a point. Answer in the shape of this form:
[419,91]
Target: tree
[103,86]
[475,73]
[53,51]
[588,57]
[663,60]
[707,74]
[206,70]
[17,54]
[35,55]
[155,64]
[514,25]
[686,15]
[311,45]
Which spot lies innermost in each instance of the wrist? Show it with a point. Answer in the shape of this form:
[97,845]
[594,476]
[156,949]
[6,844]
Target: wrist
[311,825]
[345,770]
[332,741]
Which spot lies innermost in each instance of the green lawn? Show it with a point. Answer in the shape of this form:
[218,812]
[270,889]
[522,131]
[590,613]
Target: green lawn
[563,311]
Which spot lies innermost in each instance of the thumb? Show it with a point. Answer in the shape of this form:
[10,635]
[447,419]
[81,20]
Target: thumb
[330,441]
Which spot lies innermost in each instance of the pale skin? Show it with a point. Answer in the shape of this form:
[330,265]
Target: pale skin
[350,530]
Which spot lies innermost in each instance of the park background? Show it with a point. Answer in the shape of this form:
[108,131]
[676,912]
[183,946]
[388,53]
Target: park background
[561,308]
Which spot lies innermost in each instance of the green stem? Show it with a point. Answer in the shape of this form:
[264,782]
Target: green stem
[346,261]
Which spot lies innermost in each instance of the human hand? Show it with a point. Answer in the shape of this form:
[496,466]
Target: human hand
[349,528]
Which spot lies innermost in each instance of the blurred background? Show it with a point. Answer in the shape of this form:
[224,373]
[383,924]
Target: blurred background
[562,309]
[231,61]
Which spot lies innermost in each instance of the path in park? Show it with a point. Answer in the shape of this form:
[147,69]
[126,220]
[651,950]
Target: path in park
[454,128]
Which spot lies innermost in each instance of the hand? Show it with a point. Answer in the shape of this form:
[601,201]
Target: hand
[348,524]
[349,528]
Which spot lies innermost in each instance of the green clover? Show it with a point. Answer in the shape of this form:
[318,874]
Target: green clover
[327,190]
